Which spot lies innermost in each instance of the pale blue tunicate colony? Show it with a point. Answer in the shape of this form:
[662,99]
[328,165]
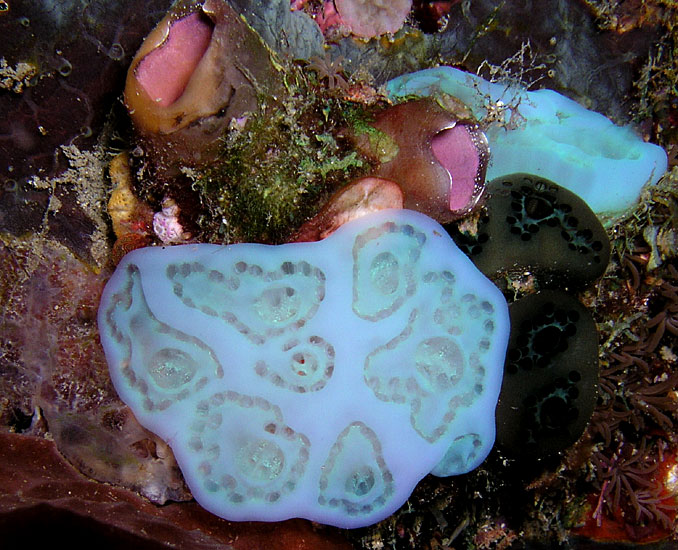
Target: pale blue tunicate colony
[546,134]
[318,380]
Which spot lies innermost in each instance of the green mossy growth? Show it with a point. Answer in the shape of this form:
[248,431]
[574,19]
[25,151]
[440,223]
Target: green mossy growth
[382,147]
[273,174]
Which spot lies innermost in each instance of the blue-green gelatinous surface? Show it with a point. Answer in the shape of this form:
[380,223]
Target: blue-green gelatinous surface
[318,380]
[546,134]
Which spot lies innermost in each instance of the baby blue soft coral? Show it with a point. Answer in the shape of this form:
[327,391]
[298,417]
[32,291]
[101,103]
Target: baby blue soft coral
[318,380]
[546,134]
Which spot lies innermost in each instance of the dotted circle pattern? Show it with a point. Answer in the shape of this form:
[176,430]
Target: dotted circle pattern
[307,379]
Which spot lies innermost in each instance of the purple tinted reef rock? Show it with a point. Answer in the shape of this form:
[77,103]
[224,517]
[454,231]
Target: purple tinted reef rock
[54,375]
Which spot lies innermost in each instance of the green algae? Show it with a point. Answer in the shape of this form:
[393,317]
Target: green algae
[273,173]
[381,146]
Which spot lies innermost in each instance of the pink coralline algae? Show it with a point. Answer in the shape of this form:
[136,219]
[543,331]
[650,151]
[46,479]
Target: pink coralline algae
[368,18]
[166,224]
[328,17]
[363,18]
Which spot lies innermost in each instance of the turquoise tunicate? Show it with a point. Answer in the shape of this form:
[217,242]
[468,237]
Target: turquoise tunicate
[544,133]
[319,380]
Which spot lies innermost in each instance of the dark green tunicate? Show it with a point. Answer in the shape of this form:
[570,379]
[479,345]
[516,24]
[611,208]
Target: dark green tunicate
[532,224]
[550,375]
